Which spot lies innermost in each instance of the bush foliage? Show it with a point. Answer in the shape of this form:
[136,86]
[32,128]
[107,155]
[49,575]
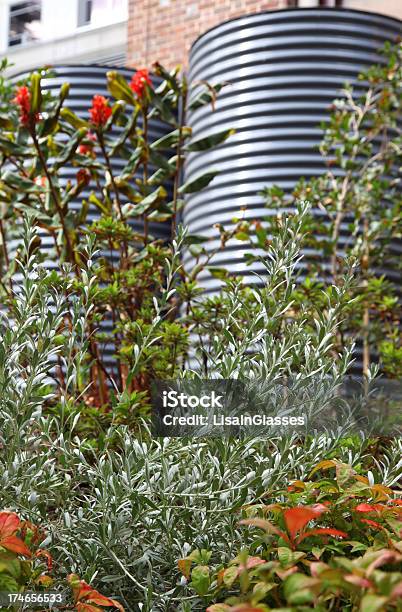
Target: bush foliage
[177,524]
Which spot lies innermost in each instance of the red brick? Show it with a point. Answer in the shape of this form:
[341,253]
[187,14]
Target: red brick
[166,33]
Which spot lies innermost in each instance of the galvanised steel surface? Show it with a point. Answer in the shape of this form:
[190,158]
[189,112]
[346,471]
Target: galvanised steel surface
[283,69]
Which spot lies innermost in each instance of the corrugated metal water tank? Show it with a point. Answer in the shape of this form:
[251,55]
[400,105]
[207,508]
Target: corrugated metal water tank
[283,69]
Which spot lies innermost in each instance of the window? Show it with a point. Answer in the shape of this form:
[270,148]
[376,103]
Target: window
[24,23]
[100,12]
[85,12]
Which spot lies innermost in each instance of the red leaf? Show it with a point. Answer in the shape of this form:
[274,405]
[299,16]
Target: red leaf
[85,594]
[372,524]
[363,583]
[370,508]
[386,556]
[83,607]
[101,600]
[250,563]
[15,545]
[9,524]
[48,557]
[297,518]
[328,531]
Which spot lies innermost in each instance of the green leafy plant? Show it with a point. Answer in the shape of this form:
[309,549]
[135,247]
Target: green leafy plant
[324,544]
[24,566]
[41,137]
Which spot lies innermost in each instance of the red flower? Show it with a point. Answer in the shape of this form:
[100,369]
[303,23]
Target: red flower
[88,149]
[83,177]
[139,82]
[100,111]
[23,99]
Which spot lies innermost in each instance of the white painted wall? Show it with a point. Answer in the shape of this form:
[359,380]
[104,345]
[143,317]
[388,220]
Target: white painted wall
[61,38]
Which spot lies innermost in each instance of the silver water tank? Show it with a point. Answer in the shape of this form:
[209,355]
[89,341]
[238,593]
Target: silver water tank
[282,71]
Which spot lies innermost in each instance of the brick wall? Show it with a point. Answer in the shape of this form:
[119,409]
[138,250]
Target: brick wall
[164,30]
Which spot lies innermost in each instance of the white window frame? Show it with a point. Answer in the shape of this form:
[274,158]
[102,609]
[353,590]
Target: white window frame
[12,4]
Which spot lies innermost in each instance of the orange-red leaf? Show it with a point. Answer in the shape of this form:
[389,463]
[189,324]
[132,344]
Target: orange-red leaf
[370,508]
[250,563]
[386,556]
[326,531]
[297,518]
[83,607]
[359,581]
[9,524]
[184,566]
[15,544]
[373,524]
[48,557]
[326,464]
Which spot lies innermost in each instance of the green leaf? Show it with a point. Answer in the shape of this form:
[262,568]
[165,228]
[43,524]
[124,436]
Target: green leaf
[69,149]
[5,122]
[73,119]
[8,584]
[170,140]
[99,204]
[198,183]
[200,579]
[373,603]
[298,589]
[203,144]
[132,164]
[220,273]
[243,236]
[195,239]
[206,96]
[11,564]
[12,148]
[119,88]
[151,201]
[36,93]
[165,109]
[21,183]
[50,124]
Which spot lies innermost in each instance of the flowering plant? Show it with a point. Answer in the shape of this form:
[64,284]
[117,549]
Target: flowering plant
[41,138]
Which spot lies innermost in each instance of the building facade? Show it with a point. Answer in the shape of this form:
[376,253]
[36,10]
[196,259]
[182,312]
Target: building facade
[46,32]
[129,32]
[164,30]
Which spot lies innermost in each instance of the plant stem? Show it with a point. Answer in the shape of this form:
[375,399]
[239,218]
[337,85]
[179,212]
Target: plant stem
[366,311]
[177,177]
[70,250]
[5,251]
[145,169]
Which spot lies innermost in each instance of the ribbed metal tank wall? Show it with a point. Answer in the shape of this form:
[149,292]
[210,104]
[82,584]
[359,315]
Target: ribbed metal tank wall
[86,81]
[283,69]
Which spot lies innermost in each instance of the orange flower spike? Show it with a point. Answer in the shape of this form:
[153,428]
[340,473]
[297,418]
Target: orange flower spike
[139,82]
[100,111]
